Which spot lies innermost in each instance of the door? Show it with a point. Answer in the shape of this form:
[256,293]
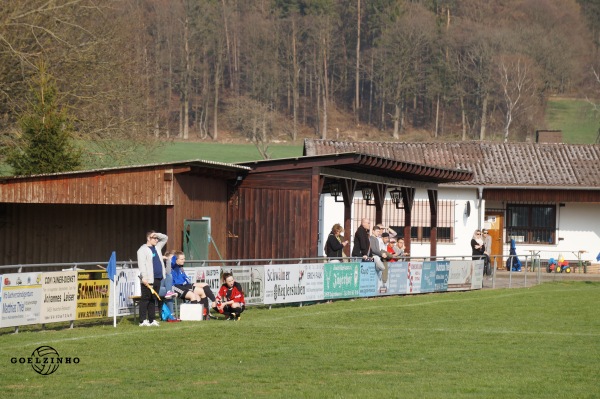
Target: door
[196,237]
[494,223]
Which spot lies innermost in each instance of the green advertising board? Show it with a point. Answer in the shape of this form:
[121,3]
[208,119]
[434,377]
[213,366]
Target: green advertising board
[341,280]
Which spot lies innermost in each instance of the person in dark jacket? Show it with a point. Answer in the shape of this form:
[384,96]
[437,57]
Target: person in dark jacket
[477,245]
[362,246]
[334,245]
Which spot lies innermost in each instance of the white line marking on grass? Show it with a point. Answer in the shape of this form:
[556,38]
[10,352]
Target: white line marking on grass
[376,303]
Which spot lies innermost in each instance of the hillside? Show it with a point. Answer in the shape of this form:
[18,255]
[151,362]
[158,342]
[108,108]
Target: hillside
[573,116]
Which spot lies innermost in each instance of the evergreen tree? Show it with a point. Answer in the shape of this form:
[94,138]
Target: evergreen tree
[45,145]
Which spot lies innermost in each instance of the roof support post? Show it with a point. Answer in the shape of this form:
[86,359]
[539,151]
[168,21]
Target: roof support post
[348,187]
[379,196]
[408,198]
[433,208]
[317,182]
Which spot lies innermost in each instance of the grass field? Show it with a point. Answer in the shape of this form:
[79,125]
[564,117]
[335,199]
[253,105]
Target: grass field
[576,119]
[228,153]
[540,342]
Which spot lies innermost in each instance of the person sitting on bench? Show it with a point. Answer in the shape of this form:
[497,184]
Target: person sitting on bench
[195,293]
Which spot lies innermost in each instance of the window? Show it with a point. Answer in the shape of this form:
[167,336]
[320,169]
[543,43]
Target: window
[531,224]
[420,230]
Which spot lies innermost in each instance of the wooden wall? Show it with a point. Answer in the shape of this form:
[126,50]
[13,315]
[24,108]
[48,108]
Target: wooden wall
[196,197]
[140,187]
[541,196]
[46,233]
[270,216]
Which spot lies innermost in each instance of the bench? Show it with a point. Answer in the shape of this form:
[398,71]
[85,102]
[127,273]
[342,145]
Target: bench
[136,304]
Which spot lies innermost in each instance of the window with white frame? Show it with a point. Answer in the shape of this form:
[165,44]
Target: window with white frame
[421,219]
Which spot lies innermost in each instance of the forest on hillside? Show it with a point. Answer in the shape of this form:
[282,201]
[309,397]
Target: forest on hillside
[131,73]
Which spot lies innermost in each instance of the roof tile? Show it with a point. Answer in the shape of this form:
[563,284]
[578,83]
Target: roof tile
[495,164]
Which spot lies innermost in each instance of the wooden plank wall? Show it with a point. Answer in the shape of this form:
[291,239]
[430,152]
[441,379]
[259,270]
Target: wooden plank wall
[270,215]
[196,197]
[541,196]
[140,187]
[46,233]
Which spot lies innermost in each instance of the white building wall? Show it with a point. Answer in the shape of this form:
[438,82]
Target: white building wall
[332,212]
[578,229]
[578,226]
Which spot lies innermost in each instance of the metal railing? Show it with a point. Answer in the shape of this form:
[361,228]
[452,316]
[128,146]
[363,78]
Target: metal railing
[533,271]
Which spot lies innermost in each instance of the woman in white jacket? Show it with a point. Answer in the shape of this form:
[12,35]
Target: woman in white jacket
[152,271]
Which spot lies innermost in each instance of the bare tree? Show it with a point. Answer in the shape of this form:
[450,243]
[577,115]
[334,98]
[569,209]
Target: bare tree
[253,120]
[518,86]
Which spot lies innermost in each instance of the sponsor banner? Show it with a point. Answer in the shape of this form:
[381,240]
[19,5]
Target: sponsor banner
[210,275]
[397,278]
[442,270]
[20,297]
[251,280]
[477,281]
[368,279]
[341,280]
[460,275]
[314,277]
[414,277]
[93,289]
[127,286]
[285,283]
[59,296]
[428,276]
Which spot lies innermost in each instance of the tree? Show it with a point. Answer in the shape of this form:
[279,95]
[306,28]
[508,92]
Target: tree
[518,86]
[46,143]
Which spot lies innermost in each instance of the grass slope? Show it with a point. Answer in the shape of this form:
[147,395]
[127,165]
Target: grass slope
[576,119]
[540,342]
[229,153]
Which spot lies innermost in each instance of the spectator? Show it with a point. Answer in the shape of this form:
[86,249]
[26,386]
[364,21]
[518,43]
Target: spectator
[399,248]
[477,246]
[152,271]
[362,246]
[487,248]
[380,256]
[166,285]
[389,247]
[388,230]
[230,299]
[334,245]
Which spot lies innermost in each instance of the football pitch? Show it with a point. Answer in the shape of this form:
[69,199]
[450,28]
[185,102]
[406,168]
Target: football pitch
[538,342]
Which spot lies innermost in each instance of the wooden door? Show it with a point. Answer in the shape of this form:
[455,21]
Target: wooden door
[494,223]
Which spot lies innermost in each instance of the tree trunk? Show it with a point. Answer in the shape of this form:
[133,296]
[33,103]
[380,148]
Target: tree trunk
[437,116]
[295,78]
[227,42]
[371,89]
[186,80]
[483,117]
[216,102]
[357,86]
[396,121]
[464,118]
[507,125]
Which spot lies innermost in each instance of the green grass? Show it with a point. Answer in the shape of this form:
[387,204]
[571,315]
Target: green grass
[576,119]
[540,342]
[228,153]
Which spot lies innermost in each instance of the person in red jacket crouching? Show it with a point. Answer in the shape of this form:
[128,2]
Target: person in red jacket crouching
[230,299]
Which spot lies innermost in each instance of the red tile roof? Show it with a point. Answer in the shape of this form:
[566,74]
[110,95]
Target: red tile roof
[493,164]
